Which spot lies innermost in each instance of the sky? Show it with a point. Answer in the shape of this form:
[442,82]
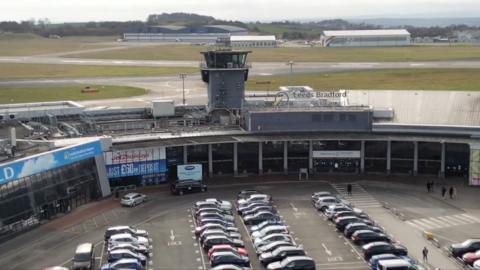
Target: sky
[243,10]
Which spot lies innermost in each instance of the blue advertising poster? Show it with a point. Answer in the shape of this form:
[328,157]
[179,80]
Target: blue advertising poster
[136,168]
[47,161]
[189,172]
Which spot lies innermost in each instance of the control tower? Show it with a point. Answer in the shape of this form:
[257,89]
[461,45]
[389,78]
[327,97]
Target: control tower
[225,71]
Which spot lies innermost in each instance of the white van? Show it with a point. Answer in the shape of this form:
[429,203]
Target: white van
[397,264]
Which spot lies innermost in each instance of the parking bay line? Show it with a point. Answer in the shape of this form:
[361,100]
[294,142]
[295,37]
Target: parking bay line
[199,245]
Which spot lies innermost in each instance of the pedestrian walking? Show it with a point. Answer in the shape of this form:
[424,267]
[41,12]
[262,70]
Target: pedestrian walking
[428,186]
[349,189]
[425,254]
[454,192]
[444,190]
[450,191]
[432,185]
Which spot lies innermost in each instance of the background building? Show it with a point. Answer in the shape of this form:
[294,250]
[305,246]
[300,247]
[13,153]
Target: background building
[365,38]
[253,41]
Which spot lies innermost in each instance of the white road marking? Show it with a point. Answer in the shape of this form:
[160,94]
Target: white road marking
[293,207]
[327,250]
[172,236]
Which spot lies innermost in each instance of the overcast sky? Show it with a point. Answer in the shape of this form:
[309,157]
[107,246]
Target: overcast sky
[246,10]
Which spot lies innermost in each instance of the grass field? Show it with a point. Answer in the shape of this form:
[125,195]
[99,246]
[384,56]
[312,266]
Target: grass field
[311,54]
[28,44]
[402,79]
[22,71]
[67,92]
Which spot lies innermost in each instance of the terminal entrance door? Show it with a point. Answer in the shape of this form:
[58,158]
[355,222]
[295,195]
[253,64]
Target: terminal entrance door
[336,165]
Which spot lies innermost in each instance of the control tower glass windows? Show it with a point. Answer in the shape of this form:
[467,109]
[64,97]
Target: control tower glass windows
[225,59]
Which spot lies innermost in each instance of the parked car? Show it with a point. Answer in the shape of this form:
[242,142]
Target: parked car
[332,209]
[264,224]
[250,206]
[376,248]
[187,186]
[471,257]
[323,202]
[395,264]
[118,254]
[84,258]
[130,246]
[131,264]
[124,229]
[128,238]
[357,213]
[212,226]
[215,248]
[133,199]
[55,268]
[223,204]
[470,245]
[211,241]
[205,215]
[362,237]
[243,194]
[293,263]
[259,217]
[212,210]
[353,227]
[207,233]
[255,198]
[215,221]
[476,264]
[280,253]
[257,209]
[228,257]
[342,222]
[269,230]
[259,242]
[373,262]
[213,204]
[320,194]
[229,267]
[271,246]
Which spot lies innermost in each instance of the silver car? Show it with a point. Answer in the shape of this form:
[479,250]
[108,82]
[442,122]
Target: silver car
[133,199]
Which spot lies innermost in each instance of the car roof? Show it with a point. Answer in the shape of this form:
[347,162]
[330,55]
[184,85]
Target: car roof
[364,231]
[224,253]
[377,243]
[118,228]
[383,256]
[394,262]
[296,258]
[84,248]
[120,235]
[120,251]
[285,248]
[132,194]
[126,260]
[276,234]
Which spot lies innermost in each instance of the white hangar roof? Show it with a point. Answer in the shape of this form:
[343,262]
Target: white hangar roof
[364,33]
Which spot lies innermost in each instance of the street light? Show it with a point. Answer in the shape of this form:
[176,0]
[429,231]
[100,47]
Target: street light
[183,76]
[291,63]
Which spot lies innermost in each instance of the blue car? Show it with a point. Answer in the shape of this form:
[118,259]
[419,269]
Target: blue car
[119,254]
[387,256]
[133,264]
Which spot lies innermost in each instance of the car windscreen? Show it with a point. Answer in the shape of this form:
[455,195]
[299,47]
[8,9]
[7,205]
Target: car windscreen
[82,257]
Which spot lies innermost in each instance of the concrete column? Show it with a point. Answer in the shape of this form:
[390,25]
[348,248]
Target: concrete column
[362,156]
[185,155]
[285,157]
[389,156]
[210,161]
[260,158]
[415,158]
[442,161]
[102,175]
[235,159]
[310,157]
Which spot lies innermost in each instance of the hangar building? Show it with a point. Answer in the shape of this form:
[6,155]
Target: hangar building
[365,38]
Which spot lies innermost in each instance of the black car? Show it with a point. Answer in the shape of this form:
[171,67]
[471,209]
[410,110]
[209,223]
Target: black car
[259,217]
[376,248]
[342,222]
[470,245]
[353,227]
[362,237]
[187,186]
[210,241]
[226,257]
[280,253]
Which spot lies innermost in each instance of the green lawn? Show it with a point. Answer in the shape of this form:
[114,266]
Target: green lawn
[28,44]
[402,79]
[67,92]
[22,71]
[310,54]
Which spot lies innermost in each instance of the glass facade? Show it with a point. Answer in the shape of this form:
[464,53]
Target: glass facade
[46,194]
[457,158]
[348,165]
[273,157]
[402,157]
[174,157]
[198,154]
[375,156]
[222,157]
[297,156]
[429,158]
[247,154]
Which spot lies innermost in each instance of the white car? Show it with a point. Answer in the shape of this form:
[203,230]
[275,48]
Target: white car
[323,203]
[269,230]
[255,198]
[259,242]
[213,203]
[320,194]
[128,238]
[476,264]
[133,199]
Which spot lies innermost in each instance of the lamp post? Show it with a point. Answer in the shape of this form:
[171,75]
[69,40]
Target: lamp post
[291,63]
[183,76]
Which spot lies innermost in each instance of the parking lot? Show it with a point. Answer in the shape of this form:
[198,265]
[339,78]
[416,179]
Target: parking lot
[170,224]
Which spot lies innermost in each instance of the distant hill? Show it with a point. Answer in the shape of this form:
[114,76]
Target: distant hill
[419,22]
[187,19]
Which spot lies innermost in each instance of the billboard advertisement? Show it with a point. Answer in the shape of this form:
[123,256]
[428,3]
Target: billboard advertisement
[136,162]
[474,165]
[49,160]
[189,172]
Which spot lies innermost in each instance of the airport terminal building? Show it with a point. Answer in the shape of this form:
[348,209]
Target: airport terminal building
[84,153]
[365,38]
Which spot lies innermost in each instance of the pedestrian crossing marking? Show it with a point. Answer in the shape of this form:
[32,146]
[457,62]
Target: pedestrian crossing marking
[442,222]
[360,197]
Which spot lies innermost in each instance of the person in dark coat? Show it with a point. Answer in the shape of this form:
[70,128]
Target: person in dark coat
[450,191]
[349,189]
[428,187]
[444,190]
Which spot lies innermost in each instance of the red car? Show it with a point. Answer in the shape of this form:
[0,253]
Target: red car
[471,257]
[240,251]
